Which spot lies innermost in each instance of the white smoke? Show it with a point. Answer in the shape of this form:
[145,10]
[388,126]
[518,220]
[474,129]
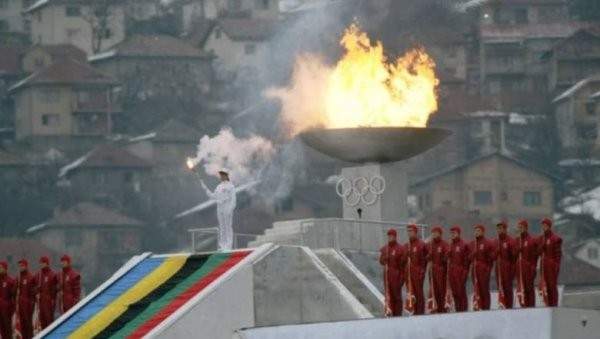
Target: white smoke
[243,158]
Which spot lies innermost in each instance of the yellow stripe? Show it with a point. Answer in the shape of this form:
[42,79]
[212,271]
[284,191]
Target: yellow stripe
[111,312]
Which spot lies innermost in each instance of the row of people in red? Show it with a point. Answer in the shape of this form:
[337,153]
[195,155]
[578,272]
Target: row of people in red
[448,265]
[47,290]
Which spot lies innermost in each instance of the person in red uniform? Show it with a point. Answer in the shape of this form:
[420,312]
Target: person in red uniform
[69,284]
[527,255]
[551,252]
[438,268]
[26,293]
[458,270]
[506,257]
[416,265]
[47,290]
[8,290]
[482,259]
[393,260]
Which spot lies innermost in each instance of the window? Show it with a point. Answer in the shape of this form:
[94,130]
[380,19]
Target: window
[3,3]
[49,95]
[3,26]
[532,199]
[592,253]
[482,198]
[73,238]
[504,196]
[235,5]
[50,120]
[521,16]
[73,11]
[72,33]
[250,49]
[262,4]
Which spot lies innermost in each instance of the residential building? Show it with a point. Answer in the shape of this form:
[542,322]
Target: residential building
[577,119]
[573,59]
[240,43]
[67,98]
[589,252]
[10,72]
[157,63]
[110,174]
[99,239]
[496,186]
[41,56]
[11,18]
[84,24]
[513,35]
[261,9]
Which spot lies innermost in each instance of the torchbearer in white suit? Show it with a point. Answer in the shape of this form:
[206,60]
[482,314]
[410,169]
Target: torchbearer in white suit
[224,194]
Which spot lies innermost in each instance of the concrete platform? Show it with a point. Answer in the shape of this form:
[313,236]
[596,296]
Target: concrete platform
[539,323]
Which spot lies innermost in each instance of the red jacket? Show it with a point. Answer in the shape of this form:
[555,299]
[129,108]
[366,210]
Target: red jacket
[70,286]
[8,291]
[482,253]
[393,256]
[27,288]
[527,256]
[550,247]
[417,252]
[47,285]
[437,253]
[459,255]
[505,253]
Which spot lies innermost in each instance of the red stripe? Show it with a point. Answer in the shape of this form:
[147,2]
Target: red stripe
[184,297]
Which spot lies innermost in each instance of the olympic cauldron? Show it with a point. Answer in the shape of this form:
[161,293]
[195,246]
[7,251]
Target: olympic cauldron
[377,188]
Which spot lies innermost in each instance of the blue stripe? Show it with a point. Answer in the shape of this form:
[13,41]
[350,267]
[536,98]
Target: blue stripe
[106,297]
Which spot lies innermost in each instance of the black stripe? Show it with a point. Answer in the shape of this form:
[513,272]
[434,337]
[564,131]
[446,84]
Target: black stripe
[192,264]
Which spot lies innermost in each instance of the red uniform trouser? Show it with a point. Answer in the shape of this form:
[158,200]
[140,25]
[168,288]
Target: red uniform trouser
[458,285]
[526,278]
[417,279]
[551,279]
[47,308]
[26,318]
[481,285]
[395,299]
[504,280]
[439,287]
[6,313]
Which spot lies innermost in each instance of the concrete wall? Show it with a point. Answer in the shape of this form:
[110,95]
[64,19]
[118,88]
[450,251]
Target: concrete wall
[219,313]
[292,286]
[538,323]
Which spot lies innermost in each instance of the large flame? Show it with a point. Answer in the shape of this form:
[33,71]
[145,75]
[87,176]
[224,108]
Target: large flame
[362,90]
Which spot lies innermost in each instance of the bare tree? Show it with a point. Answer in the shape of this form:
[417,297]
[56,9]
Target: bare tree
[100,15]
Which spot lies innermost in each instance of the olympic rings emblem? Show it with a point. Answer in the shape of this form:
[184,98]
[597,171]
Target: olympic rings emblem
[360,189]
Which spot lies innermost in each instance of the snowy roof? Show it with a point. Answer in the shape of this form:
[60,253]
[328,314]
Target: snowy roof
[148,46]
[37,5]
[295,6]
[595,96]
[585,203]
[211,202]
[105,156]
[86,214]
[575,88]
[579,162]
[487,114]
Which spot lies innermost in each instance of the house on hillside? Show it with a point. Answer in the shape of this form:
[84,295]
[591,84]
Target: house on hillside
[240,43]
[513,35]
[77,23]
[577,119]
[157,63]
[110,174]
[99,239]
[260,9]
[39,57]
[67,98]
[11,18]
[573,59]
[496,186]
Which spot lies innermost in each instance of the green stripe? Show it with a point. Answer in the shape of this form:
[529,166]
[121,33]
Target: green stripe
[213,262]
[192,264]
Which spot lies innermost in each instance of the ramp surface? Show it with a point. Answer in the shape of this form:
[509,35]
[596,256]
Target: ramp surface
[144,296]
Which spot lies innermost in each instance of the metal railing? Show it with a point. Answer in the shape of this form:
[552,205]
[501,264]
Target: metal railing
[364,235]
[210,235]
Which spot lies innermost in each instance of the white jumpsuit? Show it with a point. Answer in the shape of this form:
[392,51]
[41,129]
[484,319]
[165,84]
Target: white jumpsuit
[224,194]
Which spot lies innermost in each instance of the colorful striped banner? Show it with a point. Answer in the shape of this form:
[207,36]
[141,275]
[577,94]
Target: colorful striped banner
[147,295]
